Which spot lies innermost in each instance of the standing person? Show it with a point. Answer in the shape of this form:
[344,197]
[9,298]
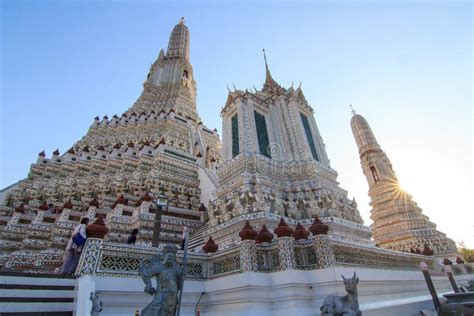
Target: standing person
[133,237]
[74,247]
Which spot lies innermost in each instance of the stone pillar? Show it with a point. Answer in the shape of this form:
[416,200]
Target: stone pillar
[85,285]
[144,207]
[64,215]
[324,252]
[14,219]
[248,256]
[286,253]
[89,257]
[117,210]
[91,251]
[39,218]
[91,213]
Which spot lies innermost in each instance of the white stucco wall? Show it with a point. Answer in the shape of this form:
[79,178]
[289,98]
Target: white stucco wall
[206,186]
[6,191]
[381,292]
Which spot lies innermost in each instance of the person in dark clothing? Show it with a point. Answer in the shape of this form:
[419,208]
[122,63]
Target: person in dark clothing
[133,237]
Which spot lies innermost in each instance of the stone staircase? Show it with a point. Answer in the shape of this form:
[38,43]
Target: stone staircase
[196,240]
[36,294]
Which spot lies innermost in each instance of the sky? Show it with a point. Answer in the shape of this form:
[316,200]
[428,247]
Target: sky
[406,66]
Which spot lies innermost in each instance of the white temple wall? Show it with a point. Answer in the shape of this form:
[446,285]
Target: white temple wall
[206,186]
[381,292]
[4,193]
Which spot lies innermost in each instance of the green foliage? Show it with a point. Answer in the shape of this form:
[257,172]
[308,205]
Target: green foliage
[469,268]
[466,253]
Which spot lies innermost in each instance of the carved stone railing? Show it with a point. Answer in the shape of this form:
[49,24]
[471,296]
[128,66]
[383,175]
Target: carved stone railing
[356,255]
[119,260]
[224,263]
[267,258]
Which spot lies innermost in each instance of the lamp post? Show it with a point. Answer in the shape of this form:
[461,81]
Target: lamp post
[449,272]
[429,283]
[183,276]
[160,202]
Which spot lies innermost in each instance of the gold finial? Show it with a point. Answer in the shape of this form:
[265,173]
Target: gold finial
[352,109]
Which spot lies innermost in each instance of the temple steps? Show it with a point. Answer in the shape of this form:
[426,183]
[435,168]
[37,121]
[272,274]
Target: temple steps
[196,240]
[36,294]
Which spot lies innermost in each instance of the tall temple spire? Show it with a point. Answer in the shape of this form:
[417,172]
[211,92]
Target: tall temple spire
[268,74]
[170,83]
[178,45]
[363,134]
[158,143]
[399,223]
[269,84]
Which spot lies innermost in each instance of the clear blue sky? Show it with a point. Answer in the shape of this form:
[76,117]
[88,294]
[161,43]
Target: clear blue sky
[405,66]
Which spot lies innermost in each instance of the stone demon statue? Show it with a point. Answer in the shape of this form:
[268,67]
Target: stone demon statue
[96,303]
[347,305]
[168,275]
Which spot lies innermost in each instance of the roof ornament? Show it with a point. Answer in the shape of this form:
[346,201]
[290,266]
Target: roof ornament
[181,21]
[270,84]
[266,64]
[352,109]
[228,89]
[235,89]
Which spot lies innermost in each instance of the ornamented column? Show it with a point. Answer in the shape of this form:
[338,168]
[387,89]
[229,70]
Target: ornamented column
[324,253]
[89,257]
[39,218]
[248,249]
[14,219]
[248,256]
[90,254]
[286,250]
[91,212]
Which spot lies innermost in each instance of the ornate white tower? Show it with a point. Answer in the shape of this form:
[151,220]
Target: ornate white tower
[274,159]
[399,223]
[159,146]
[170,83]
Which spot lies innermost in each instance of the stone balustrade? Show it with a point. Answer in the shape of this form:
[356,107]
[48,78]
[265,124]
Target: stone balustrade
[103,258]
